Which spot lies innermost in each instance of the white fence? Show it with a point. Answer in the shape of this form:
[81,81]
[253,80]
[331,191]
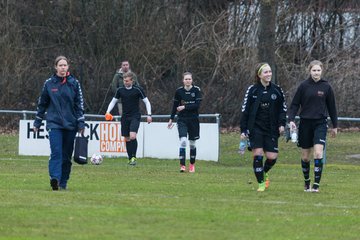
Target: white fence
[154,140]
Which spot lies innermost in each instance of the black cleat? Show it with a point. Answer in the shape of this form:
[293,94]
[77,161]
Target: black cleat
[54,183]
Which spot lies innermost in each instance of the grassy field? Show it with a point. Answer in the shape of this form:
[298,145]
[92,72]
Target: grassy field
[154,201]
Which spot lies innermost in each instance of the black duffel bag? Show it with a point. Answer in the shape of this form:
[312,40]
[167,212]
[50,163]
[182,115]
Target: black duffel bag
[81,149]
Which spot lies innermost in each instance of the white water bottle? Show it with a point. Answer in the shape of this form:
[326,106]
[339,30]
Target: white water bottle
[242,146]
[294,136]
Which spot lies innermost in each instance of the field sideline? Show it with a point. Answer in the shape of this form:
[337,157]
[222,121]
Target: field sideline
[154,201]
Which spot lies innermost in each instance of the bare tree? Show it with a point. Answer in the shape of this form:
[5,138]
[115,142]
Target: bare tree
[266,34]
[219,41]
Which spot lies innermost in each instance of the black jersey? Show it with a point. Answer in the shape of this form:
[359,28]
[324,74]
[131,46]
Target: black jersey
[130,99]
[262,119]
[190,99]
[263,104]
[316,100]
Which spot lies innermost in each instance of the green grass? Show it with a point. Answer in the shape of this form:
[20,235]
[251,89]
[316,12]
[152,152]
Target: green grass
[154,201]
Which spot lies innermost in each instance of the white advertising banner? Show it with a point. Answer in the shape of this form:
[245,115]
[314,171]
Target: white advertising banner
[161,142]
[154,140]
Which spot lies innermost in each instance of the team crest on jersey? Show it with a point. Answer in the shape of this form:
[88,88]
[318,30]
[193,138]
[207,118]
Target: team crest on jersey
[273,96]
[320,93]
[193,94]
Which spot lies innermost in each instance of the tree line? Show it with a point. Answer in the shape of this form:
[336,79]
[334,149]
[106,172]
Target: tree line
[219,41]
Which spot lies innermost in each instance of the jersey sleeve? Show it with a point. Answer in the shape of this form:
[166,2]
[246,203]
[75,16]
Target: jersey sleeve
[176,102]
[283,109]
[142,93]
[79,107]
[117,94]
[331,106]
[245,110]
[295,104]
[43,103]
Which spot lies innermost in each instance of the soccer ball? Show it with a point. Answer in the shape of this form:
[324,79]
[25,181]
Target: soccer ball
[96,159]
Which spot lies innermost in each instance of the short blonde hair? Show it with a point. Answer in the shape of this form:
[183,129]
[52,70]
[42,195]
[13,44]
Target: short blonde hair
[128,74]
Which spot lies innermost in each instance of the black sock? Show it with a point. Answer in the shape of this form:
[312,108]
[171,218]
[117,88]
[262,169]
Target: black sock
[306,171]
[182,153]
[318,165]
[269,163]
[129,149]
[134,147]
[192,155]
[258,168]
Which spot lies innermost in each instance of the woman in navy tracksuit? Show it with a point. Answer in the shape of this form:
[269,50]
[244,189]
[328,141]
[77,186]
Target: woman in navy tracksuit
[62,99]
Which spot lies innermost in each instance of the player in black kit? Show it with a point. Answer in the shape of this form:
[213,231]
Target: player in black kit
[263,120]
[315,99]
[186,104]
[130,119]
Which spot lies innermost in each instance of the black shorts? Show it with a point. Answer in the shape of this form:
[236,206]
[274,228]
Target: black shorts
[311,132]
[130,124]
[259,139]
[189,126]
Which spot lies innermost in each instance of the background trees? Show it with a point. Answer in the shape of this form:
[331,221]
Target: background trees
[219,41]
